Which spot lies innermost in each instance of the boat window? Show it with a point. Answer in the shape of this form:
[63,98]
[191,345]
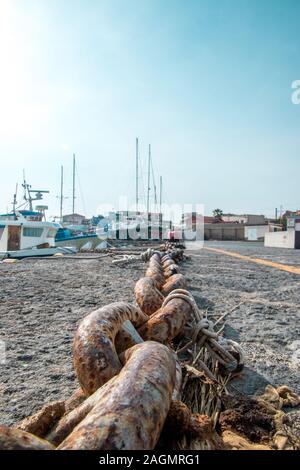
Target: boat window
[32,232]
[51,232]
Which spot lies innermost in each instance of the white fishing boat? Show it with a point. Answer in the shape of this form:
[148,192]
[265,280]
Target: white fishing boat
[25,233]
[21,237]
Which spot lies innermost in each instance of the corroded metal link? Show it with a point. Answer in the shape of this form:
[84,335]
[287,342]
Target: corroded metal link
[147,296]
[131,409]
[167,322]
[167,263]
[67,423]
[156,257]
[156,266]
[157,276]
[161,268]
[171,270]
[94,353]
[155,260]
[15,439]
[166,257]
[187,297]
[177,281]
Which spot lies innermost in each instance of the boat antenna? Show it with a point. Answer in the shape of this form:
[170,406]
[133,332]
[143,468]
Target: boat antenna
[27,195]
[15,199]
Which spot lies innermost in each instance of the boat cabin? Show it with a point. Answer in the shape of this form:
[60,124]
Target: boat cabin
[19,233]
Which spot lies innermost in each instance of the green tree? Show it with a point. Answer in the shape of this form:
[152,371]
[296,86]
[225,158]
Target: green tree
[218,213]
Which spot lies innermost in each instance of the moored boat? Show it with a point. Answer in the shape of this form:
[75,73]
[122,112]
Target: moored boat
[67,238]
[24,231]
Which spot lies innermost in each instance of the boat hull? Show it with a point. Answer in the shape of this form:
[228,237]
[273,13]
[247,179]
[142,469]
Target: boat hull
[79,242]
[37,253]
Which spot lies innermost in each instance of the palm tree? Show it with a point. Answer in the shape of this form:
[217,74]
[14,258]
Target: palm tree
[218,213]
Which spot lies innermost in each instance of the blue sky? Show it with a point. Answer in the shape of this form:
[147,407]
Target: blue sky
[208,84]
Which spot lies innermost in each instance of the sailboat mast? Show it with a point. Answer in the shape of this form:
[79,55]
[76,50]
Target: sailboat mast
[154,186]
[61,193]
[148,192]
[73,197]
[137,175]
[160,194]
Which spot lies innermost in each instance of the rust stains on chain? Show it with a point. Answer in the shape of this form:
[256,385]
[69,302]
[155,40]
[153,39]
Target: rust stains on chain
[131,409]
[94,353]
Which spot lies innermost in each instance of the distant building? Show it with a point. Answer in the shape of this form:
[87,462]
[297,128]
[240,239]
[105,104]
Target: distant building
[211,220]
[136,225]
[289,238]
[246,227]
[235,231]
[96,219]
[291,214]
[75,219]
[190,220]
[249,219]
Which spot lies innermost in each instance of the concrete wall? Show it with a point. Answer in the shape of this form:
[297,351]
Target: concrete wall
[256,232]
[224,232]
[280,239]
[235,232]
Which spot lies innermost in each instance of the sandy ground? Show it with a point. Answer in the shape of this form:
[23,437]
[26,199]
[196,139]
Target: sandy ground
[42,301]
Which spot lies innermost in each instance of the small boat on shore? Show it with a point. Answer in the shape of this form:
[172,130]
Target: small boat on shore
[67,238]
[24,234]
[37,253]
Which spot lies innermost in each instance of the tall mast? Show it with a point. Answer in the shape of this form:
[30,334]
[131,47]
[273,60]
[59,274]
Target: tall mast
[154,185]
[160,194]
[137,175]
[148,192]
[73,197]
[61,193]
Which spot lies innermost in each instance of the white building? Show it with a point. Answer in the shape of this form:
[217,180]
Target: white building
[289,238]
